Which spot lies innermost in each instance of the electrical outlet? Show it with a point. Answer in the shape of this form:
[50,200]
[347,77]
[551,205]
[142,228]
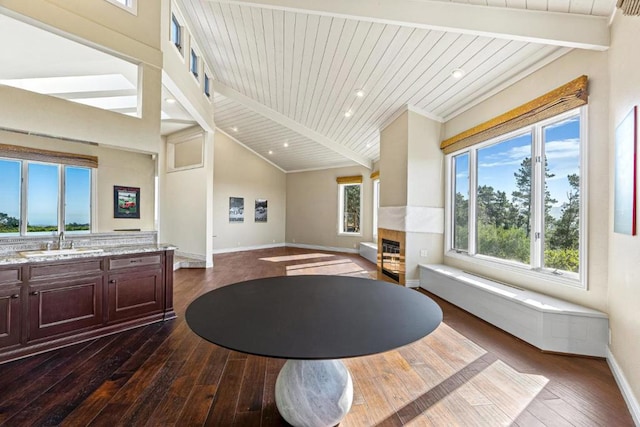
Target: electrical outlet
[274,240]
[423,253]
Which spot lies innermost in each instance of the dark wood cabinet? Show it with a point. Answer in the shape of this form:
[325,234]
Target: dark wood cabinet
[46,305]
[135,294]
[10,306]
[66,306]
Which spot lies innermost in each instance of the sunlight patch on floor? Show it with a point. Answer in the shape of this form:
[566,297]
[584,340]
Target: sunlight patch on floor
[334,267]
[442,379]
[287,258]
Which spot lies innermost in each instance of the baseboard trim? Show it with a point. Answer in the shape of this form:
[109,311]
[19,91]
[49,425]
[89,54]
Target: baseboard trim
[248,248]
[625,388]
[190,255]
[414,283]
[322,248]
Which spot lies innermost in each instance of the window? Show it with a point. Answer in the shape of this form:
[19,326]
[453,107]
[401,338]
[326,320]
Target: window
[207,85]
[376,205]
[129,5]
[350,208]
[10,176]
[176,33]
[517,198]
[40,186]
[194,63]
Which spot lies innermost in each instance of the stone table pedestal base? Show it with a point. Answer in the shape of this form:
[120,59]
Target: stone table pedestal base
[314,393]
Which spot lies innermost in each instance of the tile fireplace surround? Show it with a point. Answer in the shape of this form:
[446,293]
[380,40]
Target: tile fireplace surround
[399,258]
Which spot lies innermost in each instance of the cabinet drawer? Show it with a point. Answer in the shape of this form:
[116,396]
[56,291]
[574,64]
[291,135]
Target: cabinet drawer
[137,261]
[10,275]
[65,269]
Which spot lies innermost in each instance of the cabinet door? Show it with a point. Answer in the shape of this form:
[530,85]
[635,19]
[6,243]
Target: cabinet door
[10,315]
[69,306]
[135,294]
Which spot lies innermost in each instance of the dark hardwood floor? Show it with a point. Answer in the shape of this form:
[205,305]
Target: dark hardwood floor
[466,373]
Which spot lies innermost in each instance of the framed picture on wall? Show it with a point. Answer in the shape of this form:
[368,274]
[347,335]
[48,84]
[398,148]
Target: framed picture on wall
[126,202]
[624,217]
[261,210]
[236,209]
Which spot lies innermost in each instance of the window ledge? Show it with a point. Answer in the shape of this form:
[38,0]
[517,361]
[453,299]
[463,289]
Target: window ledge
[541,276]
[350,234]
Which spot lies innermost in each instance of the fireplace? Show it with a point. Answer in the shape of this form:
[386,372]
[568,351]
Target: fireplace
[390,260]
[391,256]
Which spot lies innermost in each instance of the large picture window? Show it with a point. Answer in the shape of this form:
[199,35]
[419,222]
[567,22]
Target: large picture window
[350,208]
[42,198]
[516,198]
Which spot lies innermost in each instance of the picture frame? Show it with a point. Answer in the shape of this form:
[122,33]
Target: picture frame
[236,209]
[261,210]
[625,171]
[126,202]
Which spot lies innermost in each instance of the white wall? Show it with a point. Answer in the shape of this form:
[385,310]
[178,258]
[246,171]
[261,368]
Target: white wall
[186,207]
[559,72]
[624,251]
[106,27]
[312,208]
[239,172]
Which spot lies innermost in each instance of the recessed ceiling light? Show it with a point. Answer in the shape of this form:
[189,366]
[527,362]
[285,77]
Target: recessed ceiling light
[170,100]
[286,144]
[348,114]
[270,152]
[368,144]
[359,93]
[235,129]
[457,73]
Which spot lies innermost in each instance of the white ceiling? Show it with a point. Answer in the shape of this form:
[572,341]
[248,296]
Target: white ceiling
[289,69]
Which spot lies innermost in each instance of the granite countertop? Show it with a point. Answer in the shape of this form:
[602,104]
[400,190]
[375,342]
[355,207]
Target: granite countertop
[16,258]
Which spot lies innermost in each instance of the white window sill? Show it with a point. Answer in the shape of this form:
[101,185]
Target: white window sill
[350,234]
[544,276]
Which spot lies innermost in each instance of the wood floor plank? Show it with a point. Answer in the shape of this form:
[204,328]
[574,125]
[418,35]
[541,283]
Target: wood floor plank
[171,406]
[467,372]
[225,404]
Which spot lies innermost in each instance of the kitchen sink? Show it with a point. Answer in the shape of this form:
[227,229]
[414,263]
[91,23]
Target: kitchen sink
[55,252]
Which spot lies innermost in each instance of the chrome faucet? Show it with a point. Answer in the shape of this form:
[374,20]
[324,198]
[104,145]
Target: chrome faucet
[60,239]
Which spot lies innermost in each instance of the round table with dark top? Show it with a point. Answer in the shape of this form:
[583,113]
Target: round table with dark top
[313,321]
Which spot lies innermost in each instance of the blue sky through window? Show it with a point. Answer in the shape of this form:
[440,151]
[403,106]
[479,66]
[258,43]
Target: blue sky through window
[77,195]
[10,188]
[497,163]
[42,195]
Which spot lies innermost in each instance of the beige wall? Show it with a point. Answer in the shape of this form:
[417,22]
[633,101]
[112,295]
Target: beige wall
[115,167]
[393,162]
[240,173]
[177,75]
[130,37]
[312,208]
[186,207]
[624,251]
[561,71]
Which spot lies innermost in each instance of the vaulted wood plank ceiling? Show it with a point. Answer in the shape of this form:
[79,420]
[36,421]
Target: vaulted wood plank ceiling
[291,70]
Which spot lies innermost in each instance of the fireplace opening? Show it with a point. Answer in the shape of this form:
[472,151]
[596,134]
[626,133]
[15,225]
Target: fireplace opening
[390,260]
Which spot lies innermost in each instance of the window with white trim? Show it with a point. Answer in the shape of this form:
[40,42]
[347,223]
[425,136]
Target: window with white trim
[207,85]
[176,33]
[350,205]
[376,205]
[128,5]
[519,198]
[195,63]
[41,198]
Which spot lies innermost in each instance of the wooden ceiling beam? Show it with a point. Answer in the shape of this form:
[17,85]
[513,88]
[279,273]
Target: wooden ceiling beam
[552,28]
[285,121]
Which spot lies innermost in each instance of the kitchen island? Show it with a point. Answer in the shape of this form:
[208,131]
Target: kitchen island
[50,299]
